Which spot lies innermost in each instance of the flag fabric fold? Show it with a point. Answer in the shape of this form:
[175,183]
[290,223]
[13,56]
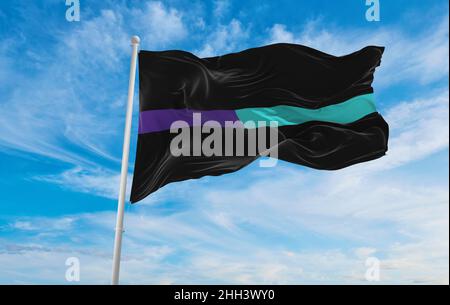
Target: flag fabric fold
[323,107]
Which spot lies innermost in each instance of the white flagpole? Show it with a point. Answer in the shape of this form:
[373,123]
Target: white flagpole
[124,170]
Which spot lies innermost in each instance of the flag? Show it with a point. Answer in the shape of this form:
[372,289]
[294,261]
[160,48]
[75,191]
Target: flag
[288,101]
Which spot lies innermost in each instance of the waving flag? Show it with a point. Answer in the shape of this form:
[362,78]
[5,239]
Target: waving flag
[320,107]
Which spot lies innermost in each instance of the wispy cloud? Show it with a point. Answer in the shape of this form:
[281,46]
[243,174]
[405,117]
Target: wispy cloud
[160,25]
[366,208]
[98,181]
[56,107]
[321,228]
[221,7]
[221,228]
[419,129]
[291,225]
[225,38]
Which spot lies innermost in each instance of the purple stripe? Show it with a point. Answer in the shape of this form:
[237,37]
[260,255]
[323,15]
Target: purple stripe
[162,119]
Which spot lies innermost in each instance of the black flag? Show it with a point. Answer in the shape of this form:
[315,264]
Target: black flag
[205,116]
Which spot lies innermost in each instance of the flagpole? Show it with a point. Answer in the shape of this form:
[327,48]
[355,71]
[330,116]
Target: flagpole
[124,170]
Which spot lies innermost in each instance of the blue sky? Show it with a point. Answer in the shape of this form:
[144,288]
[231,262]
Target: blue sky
[62,101]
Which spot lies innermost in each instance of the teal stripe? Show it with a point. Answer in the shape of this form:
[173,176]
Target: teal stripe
[342,113]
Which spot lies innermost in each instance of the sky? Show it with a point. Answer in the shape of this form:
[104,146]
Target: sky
[63,88]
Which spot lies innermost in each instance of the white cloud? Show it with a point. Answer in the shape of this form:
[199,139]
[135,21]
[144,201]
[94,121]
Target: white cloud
[59,106]
[279,33]
[222,227]
[159,24]
[224,39]
[44,224]
[320,226]
[69,110]
[99,42]
[365,252]
[100,182]
[381,216]
[228,231]
[419,129]
[221,7]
